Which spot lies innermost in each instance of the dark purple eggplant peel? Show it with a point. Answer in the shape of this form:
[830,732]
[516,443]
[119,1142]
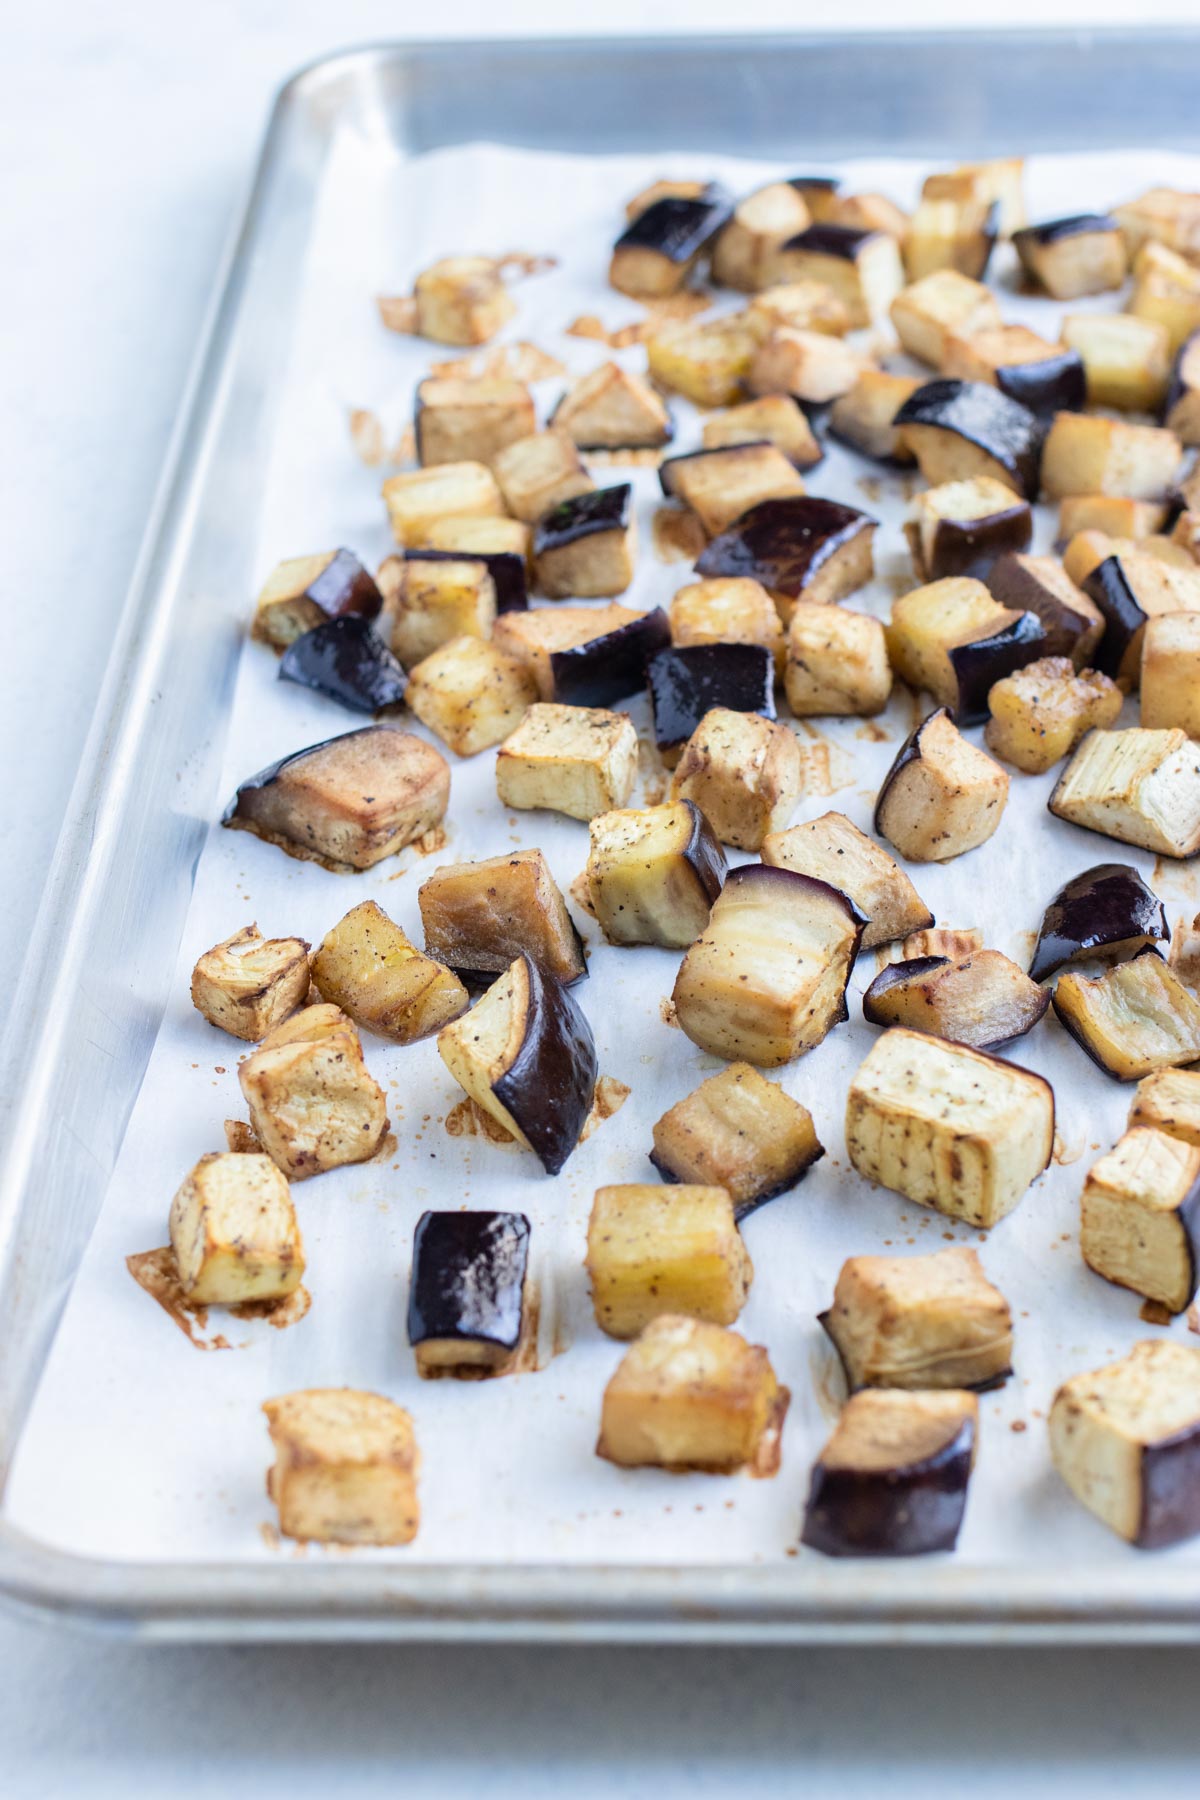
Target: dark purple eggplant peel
[689,680]
[348,661]
[980,414]
[784,543]
[610,667]
[1105,911]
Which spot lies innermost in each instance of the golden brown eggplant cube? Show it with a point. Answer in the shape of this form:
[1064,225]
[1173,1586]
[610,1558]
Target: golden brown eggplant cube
[727,610]
[1140,1216]
[247,984]
[1166,288]
[740,1132]
[675,1249]
[462,300]
[440,600]
[420,499]
[470,420]
[610,409]
[1085,254]
[532,637]
[306,591]
[345,1468]
[862,267]
[864,418]
[234,1232]
[539,472]
[313,1102]
[942,796]
[810,365]
[1169,1100]
[745,254]
[577,760]
[1170,685]
[367,966]
[940,306]
[772,418]
[744,772]
[1086,454]
[585,548]
[653,875]
[1040,713]
[471,694]
[1127,360]
[837,662]
[480,916]
[920,1322]
[706,363]
[720,485]
[833,850]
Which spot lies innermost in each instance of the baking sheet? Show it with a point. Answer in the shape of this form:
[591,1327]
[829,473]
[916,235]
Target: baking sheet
[139,1446]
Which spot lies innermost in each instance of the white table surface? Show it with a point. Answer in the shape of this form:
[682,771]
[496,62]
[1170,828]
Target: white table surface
[125,138]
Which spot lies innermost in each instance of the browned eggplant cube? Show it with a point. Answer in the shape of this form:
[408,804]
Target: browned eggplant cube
[543,638]
[870,212]
[345,1467]
[801,548]
[1170,687]
[837,662]
[708,363]
[1084,254]
[962,527]
[960,430]
[1047,378]
[831,849]
[862,267]
[610,409]
[585,547]
[1140,787]
[305,591]
[1169,1100]
[810,365]
[953,640]
[1163,215]
[951,234]
[652,876]
[773,419]
[313,1103]
[941,797]
[655,1250]
[1000,180]
[736,610]
[662,242]
[740,1132]
[462,300]
[687,682]
[1106,911]
[479,916]
[893,1478]
[234,1232]
[1140,1216]
[470,421]
[1039,713]
[248,984]
[1135,1018]
[1166,288]
[1072,622]
[539,472]
[577,760]
[720,485]
[665,187]
[865,417]
[1085,454]
[470,694]
[423,498]
[980,999]
[1133,587]
[939,306]
[438,601]
[799,305]
[743,772]
[745,254]
[1182,405]
[367,966]
[920,1322]
[1127,360]
[486,535]
[1111,514]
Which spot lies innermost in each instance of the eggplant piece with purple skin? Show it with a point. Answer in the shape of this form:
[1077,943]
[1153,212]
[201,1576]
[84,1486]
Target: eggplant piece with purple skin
[689,680]
[348,661]
[1104,911]
[1039,584]
[956,429]
[981,663]
[1056,256]
[305,591]
[505,567]
[610,667]
[654,253]
[584,547]
[817,191]
[466,1299]
[1109,589]
[802,547]
[1052,384]
[982,1000]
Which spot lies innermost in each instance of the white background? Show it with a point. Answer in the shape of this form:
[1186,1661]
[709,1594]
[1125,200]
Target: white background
[125,137]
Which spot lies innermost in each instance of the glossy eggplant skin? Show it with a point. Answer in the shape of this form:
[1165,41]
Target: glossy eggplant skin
[909,752]
[971,546]
[909,1511]
[831,240]
[676,227]
[1108,587]
[549,1087]
[605,509]
[468,1277]
[1178,386]
[1105,905]
[505,567]
[1170,1491]
[610,667]
[782,543]
[344,586]
[980,413]
[348,661]
[1075,226]
[1055,384]
[687,681]
[980,664]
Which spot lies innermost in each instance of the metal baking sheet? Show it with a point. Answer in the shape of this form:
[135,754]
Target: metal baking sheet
[106,970]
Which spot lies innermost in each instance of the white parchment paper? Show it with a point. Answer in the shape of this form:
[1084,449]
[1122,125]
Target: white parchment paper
[139,1445]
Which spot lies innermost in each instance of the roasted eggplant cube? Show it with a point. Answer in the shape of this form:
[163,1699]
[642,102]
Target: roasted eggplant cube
[470,421]
[1000,180]
[526,1055]
[893,1478]
[462,300]
[345,1468]
[1163,215]
[740,1132]
[609,667]
[870,212]
[920,1322]
[654,1250]
[662,189]
[1140,1217]
[982,1000]
[1135,1018]
[819,193]
[1169,1100]
[766,981]
[539,472]
[1072,622]
[800,548]
[1111,514]
[1070,257]
[610,409]
[541,637]
[1127,360]
[959,430]
[367,966]
[800,306]
[949,1127]
[941,797]
[810,365]
[248,984]
[690,1395]
[708,363]
[652,876]
[1140,787]
[468,1311]
[940,306]
[1086,454]
[306,591]
[953,640]
[1044,377]
[774,419]
[657,251]
[479,916]
[688,682]
[486,535]
[585,547]
[1126,1440]
[347,661]
[577,760]
[864,418]
[1166,288]
[1182,405]
[837,662]
[744,773]
[732,611]
[313,1102]
[746,252]
[951,234]
[349,802]
[1107,911]
[1040,712]
[423,498]
[831,849]
[234,1232]
[962,527]
[1170,686]
[438,601]
[862,267]
[470,694]
[720,485]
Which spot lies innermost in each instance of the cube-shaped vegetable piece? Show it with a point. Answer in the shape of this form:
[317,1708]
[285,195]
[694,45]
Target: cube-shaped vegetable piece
[837,662]
[539,472]
[870,212]
[690,1395]
[1126,1440]
[864,418]
[313,1102]
[468,1309]
[1140,1216]
[234,1232]
[1140,787]
[470,421]
[305,591]
[654,1250]
[832,849]
[800,305]
[1126,359]
[367,966]
[729,610]
[610,409]
[349,802]
[1073,623]
[740,1132]
[948,1127]
[862,267]
[535,638]
[720,485]
[664,188]
[920,1322]
[1170,685]
[422,498]
[941,797]
[478,535]
[1107,911]
[462,300]
[479,916]
[247,984]
[1040,713]
[1135,1018]
[1047,378]
[1112,514]
[766,981]
[1169,1100]
[893,1478]
[586,546]
[958,430]
[951,234]
[962,527]
[982,999]
[745,254]
[1182,404]
[708,364]
[810,365]
[1166,288]
[578,760]
[1000,180]
[744,773]
[1085,254]
[440,600]
[800,548]
[345,1467]
[1162,215]
[1086,454]
[774,419]
[939,306]
[471,694]
[652,876]
[953,640]
[659,248]
[689,681]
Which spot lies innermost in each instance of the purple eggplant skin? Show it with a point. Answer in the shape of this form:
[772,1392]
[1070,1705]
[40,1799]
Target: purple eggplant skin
[1102,906]
[549,1088]
[743,1210]
[705,854]
[274,770]
[909,1511]
[783,543]
[468,1278]
[788,883]
[676,227]
[688,680]
[667,468]
[971,546]
[1077,225]
[344,586]
[1009,582]
[818,184]
[831,240]
[1170,1488]
[1055,384]
[346,660]
[1007,431]
[1108,586]
[901,974]
[604,509]
[505,567]
[610,667]
[909,752]
[980,664]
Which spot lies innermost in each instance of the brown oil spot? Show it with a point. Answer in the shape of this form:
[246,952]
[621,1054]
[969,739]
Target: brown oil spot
[1018,1425]
[668,1015]
[404,450]
[678,535]
[280,1314]
[828,1379]
[431,841]
[871,487]
[518,264]
[270,1535]
[389,1143]
[521,361]
[660,312]
[768,1452]
[398,312]
[610,1096]
[366,435]
[156,1274]
[587,325]
[873,733]
[468,1119]
[241,1138]
[1065,1154]
[825,768]
[1153,1312]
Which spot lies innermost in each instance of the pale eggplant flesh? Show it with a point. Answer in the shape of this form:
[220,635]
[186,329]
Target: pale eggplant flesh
[584,515]
[348,661]
[505,567]
[1105,911]
[897,1508]
[466,1298]
[688,680]
[974,410]
[678,227]
[783,543]
[981,662]
[549,1086]
[612,666]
